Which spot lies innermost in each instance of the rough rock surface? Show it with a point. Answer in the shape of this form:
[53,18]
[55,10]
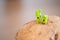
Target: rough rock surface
[34,31]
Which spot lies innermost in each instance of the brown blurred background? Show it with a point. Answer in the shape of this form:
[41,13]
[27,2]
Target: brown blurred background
[15,13]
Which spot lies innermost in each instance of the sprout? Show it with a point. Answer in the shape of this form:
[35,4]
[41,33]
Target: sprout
[38,16]
[44,19]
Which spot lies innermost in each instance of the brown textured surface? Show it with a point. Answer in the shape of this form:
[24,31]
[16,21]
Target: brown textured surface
[34,31]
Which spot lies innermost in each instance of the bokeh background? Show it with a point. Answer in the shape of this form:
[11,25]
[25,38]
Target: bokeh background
[15,13]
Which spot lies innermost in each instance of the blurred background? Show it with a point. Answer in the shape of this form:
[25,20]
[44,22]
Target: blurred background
[15,13]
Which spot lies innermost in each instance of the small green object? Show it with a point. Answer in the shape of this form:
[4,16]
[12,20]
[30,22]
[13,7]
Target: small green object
[38,16]
[44,19]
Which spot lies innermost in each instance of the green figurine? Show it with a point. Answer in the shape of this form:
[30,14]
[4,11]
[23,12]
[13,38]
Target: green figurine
[44,19]
[38,16]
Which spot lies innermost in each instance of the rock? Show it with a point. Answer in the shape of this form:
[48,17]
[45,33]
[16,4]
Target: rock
[34,31]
